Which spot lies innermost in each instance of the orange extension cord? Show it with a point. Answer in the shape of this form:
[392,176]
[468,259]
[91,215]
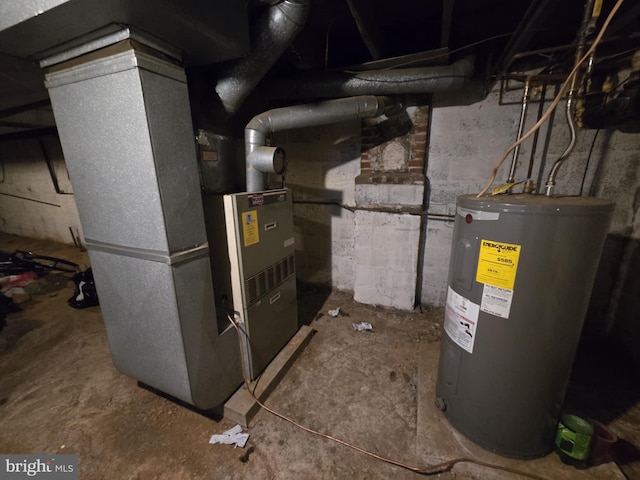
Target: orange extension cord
[433,469]
[556,100]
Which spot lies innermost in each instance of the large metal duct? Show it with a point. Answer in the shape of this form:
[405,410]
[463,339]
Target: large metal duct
[272,35]
[261,159]
[375,82]
[205,32]
[142,216]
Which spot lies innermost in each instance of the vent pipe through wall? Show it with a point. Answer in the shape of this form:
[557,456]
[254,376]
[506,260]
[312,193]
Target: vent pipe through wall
[261,160]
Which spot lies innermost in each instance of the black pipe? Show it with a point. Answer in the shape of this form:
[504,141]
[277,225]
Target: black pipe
[29,199]
[435,216]
[426,201]
[534,143]
[7,112]
[37,132]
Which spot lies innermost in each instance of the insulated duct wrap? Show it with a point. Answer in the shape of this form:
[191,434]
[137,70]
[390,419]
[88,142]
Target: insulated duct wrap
[375,82]
[273,34]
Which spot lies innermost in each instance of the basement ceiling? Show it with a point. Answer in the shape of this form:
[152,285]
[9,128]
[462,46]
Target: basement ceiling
[345,33]
[355,34]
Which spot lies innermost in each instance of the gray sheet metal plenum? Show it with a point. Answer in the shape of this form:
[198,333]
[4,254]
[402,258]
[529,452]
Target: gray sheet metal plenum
[125,128]
[208,31]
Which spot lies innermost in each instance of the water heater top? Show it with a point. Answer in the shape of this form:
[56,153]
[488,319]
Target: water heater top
[540,204]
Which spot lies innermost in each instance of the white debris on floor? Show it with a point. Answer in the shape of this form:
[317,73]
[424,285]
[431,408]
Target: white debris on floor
[230,437]
[362,327]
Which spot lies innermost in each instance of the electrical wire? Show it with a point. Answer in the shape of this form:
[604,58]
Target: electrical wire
[586,167]
[433,469]
[556,100]
[441,55]
[30,199]
[473,44]
[615,55]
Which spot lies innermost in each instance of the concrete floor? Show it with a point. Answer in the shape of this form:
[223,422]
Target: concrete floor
[59,393]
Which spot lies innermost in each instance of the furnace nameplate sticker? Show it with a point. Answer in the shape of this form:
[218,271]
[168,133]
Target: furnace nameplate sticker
[497,264]
[496,301]
[250,229]
[209,156]
[461,320]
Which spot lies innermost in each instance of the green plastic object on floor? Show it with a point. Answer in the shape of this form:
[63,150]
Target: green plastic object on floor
[573,439]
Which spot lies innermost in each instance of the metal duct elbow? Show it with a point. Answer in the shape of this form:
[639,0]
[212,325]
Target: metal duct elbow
[396,81]
[274,33]
[309,115]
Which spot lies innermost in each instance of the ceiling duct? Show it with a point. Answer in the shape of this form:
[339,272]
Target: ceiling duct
[273,34]
[375,82]
[299,116]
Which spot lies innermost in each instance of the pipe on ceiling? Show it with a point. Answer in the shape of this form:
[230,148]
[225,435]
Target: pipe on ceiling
[299,116]
[274,32]
[375,82]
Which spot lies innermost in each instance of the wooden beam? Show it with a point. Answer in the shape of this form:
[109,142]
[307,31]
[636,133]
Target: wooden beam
[362,13]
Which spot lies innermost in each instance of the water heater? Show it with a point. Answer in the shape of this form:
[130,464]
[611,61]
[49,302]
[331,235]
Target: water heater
[521,272]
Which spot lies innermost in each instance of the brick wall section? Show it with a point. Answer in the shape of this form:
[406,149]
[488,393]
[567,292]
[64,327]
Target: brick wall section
[368,143]
[418,140]
[392,176]
[408,131]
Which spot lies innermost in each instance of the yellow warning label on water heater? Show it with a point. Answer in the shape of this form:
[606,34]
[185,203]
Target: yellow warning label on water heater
[498,264]
[250,230]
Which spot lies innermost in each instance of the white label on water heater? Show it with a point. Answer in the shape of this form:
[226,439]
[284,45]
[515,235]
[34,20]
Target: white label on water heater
[496,301]
[461,320]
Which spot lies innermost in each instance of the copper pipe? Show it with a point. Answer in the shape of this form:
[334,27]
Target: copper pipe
[523,117]
[529,186]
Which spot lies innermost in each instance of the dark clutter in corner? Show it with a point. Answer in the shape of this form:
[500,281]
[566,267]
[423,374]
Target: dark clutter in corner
[22,275]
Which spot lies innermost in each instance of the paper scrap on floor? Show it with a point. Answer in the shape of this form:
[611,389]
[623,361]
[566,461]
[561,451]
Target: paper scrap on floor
[362,327]
[232,436]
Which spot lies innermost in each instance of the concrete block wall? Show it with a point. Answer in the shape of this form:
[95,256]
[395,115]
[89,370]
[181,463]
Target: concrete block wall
[357,191]
[29,203]
[323,163]
[361,167]
[386,250]
[468,135]
[392,178]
